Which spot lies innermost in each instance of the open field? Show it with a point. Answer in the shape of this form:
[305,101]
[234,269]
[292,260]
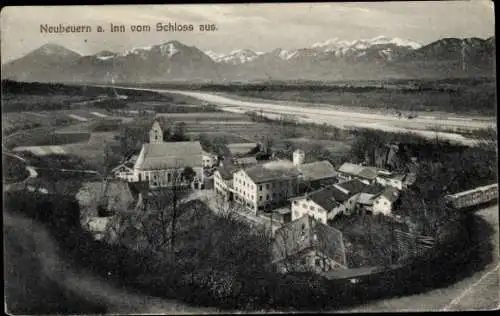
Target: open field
[350,119]
[91,149]
[341,115]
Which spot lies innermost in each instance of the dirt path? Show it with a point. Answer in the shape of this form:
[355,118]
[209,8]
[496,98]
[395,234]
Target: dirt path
[92,288]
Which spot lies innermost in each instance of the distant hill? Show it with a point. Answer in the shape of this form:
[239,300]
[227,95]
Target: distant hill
[380,58]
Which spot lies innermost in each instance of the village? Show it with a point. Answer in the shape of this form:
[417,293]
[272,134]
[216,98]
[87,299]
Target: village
[297,199]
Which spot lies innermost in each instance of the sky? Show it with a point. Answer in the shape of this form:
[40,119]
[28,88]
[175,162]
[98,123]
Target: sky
[259,27]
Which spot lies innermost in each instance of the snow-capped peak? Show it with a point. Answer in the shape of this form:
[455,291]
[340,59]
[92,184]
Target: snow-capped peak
[335,44]
[238,56]
[169,49]
[138,50]
[396,41]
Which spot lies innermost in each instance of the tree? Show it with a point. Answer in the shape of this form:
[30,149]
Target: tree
[188,174]
[179,133]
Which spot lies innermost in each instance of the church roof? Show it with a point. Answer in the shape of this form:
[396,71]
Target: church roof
[170,155]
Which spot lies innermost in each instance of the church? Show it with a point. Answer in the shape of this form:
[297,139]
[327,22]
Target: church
[163,163]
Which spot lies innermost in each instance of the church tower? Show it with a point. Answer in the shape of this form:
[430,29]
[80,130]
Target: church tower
[156,134]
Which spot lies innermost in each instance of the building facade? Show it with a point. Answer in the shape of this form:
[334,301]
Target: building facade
[265,186]
[167,164]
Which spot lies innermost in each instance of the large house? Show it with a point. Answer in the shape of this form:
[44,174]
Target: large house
[162,163]
[266,185]
[308,245]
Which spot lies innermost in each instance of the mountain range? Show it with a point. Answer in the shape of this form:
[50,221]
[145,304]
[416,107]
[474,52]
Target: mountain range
[379,58]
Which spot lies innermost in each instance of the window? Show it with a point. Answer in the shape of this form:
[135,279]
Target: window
[267,196]
[311,208]
[169,177]
[295,202]
[260,187]
[317,262]
[274,196]
[267,186]
[260,198]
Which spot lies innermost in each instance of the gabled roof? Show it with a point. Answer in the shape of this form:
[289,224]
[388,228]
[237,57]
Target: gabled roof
[274,170]
[353,186]
[327,198]
[359,171]
[306,233]
[350,168]
[365,199]
[395,176]
[317,170]
[369,173]
[373,189]
[169,155]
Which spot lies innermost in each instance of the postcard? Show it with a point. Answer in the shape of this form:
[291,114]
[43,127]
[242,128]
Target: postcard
[250,158]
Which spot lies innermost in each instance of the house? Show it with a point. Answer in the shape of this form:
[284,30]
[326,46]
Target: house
[162,163]
[383,203]
[396,180]
[317,174]
[326,203]
[223,181]
[322,205]
[364,201]
[125,170]
[266,185]
[308,245]
[349,171]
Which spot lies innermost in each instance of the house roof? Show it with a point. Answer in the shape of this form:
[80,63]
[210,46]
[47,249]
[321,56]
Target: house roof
[390,193]
[373,189]
[306,233]
[169,155]
[368,173]
[353,186]
[317,170]
[365,199]
[359,171]
[274,170]
[350,168]
[395,176]
[328,198]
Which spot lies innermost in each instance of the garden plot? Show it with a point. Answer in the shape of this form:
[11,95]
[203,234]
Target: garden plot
[335,147]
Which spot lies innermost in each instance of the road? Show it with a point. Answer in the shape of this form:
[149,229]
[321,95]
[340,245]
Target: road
[480,291]
[343,117]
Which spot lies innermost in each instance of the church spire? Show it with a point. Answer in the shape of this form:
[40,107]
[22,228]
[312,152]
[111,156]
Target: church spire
[156,133]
